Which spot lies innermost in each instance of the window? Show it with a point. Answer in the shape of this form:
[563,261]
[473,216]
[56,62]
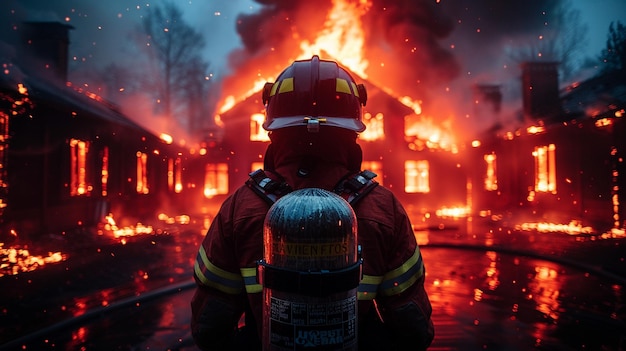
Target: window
[215,179]
[142,173]
[375,127]
[174,175]
[416,176]
[491,179]
[376,167]
[104,172]
[545,168]
[78,168]
[256,165]
[4,138]
[257,133]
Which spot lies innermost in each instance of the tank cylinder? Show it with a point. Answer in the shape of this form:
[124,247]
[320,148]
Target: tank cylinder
[310,272]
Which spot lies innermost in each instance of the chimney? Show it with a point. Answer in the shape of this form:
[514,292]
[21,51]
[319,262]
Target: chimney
[540,89]
[45,47]
[487,99]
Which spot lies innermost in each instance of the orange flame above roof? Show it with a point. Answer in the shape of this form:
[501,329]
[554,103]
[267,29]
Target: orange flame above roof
[341,38]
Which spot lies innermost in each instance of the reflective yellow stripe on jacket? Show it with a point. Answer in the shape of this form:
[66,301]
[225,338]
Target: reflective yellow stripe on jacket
[392,283]
[395,281]
[215,277]
[249,278]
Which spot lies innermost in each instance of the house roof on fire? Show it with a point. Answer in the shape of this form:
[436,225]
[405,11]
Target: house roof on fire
[43,88]
[599,96]
[376,96]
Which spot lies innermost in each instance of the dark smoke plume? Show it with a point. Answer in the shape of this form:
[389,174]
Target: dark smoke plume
[415,47]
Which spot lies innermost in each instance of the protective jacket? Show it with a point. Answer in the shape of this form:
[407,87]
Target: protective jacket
[394,310]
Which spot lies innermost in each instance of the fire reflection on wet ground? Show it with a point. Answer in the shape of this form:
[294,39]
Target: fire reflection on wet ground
[482,297]
[495,301]
[16,258]
[98,268]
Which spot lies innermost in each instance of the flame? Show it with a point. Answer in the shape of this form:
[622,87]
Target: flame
[603,122]
[342,37]
[230,101]
[17,260]
[572,228]
[180,219]
[535,129]
[21,88]
[166,138]
[110,226]
[409,102]
[452,212]
[429,134]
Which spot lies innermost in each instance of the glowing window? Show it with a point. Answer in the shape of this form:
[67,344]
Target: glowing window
[104,173]
[142,173]
[215,179]
[545,168]
[78,167]
[174,175]
[256,165]
[170,174]
[416,176]
[375,127]
[376,167]
[491,179]
[257,133]
[4,137]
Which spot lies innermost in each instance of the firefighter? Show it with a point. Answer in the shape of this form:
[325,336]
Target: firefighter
[313,116]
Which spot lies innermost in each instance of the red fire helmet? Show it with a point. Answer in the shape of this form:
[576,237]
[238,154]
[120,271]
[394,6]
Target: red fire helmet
[313,92]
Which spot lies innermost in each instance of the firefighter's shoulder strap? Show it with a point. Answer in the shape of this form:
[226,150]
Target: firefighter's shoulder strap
[352,187]
[267,187]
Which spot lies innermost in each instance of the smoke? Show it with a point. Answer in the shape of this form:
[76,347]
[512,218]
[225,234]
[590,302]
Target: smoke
[433,51]
[429,50]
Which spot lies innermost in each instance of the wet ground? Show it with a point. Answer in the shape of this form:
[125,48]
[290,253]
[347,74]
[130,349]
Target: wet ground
[491,289]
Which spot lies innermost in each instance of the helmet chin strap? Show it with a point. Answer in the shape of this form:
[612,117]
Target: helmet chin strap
[305,167]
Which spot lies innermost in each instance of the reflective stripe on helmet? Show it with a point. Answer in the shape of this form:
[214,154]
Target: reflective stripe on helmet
[286,86]
[215,277]
[317,89]
[342,86]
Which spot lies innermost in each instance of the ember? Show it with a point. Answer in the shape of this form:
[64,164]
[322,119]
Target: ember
[454,212]
[572,228]
[110,227]
[16,259]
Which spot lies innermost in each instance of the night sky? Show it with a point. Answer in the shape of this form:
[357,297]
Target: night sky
[101,24]
[461,41]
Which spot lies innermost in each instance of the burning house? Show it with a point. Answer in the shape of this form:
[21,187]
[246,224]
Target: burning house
[412,153]
[564,165]
[67,157]
[426,179]
[69,154]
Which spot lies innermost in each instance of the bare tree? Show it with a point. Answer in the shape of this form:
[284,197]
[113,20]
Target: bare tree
[175,48]
[563,40]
